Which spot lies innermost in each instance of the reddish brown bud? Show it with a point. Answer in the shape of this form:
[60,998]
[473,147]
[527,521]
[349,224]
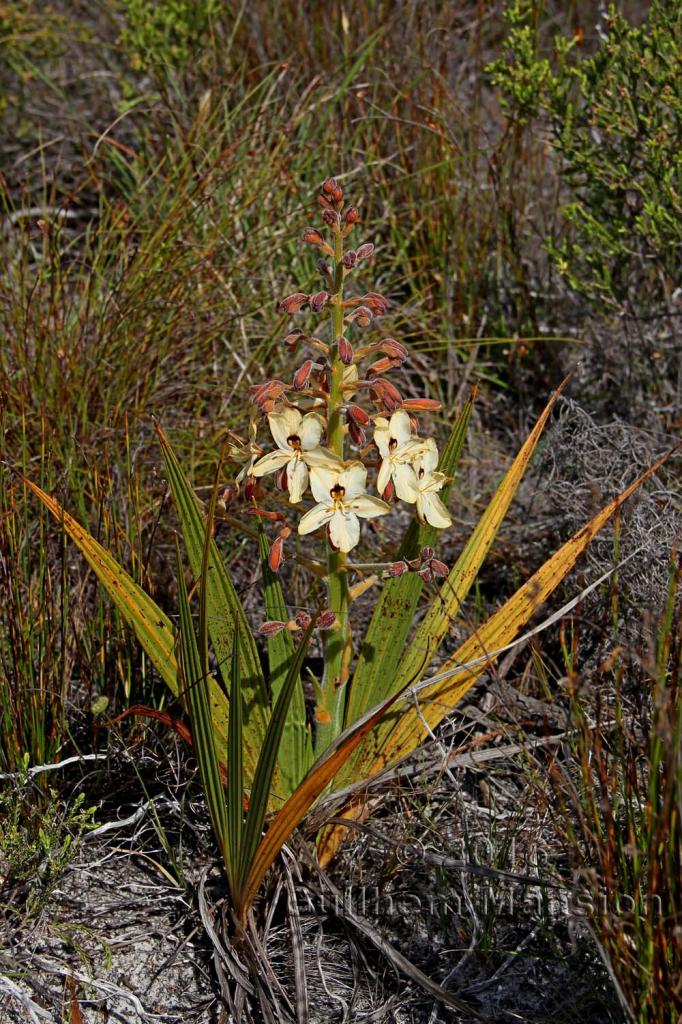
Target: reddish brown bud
[392,348]
[302,375]
[276,554]
[312,237]
[329,186]
[345,351]
[414,563]
[362,316]
[302,620]
[365,251]
[324,202]
[267,393]
[439,568]
[358,415]
[426,574]
[356,434]
[389,492]
[427,553]
[327,620]
[253,489]
[293,303]
[350,259]
[386,394]
[351,216]
[397,569]
[262,513]
[337,196]
[382,366]
[319,301]
[421,405]
[331,217]
[293,339]
[272,628]
[377,303]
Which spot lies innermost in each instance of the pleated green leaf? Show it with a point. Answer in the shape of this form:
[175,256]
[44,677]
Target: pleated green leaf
[225,614]
[196,691]
[295,756]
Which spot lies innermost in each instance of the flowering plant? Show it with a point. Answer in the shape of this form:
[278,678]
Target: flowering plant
[260,754]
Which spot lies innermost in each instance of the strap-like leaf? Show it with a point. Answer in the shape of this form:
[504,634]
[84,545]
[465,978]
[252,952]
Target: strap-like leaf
[224,611]
[399,734]
[394,612]
[153,628]
[196,689]
[262,782]
[235,772]
[295,755]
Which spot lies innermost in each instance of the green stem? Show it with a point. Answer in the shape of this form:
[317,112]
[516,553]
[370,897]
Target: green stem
[337,653]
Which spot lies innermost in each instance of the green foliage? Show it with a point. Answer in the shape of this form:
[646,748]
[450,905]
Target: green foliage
[38,835]
[165,33]
[615,119]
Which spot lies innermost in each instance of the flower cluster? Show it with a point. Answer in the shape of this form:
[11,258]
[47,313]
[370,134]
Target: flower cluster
[313,419]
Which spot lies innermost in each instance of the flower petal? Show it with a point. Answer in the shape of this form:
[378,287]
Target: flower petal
[270,463]
[405,480]
[322,457]
[432,509]
[428,460]
[310,431]
[344,529]
[382,436]
[369,507]
[283,424]
[322,480]
[385,473]
[353,480]
[432,482]
[297,479]
[400,428]
[316,517]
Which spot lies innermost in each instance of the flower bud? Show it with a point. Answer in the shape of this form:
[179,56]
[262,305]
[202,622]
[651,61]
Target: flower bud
[345,351]
[358,415]
[427,553]
[365,251]
[253,489]
[302,375]
[351,216]
[377,303]
[302,620]
[382,366]
[276,554]
[329,186]
[356,434]
[337,196]
[439,568]
[331,218]
[271,628]
[270,391]
[327,620]
[319,301]
[392,348]
[421,405]
[312,237]
[386,394]
[293,303]
[397,569]
[362,316]
[293,339]
[350,259]
[426,574]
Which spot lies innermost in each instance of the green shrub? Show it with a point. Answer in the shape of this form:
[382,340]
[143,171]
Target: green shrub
[615,119]
[166,32]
